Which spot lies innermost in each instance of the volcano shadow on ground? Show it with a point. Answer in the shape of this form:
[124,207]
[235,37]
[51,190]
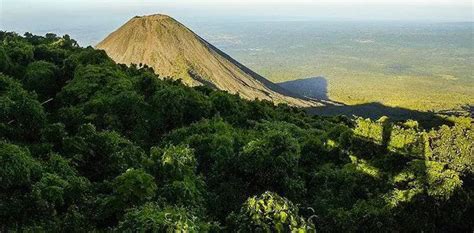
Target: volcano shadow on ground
[313,88]
[317,88]
[376,110]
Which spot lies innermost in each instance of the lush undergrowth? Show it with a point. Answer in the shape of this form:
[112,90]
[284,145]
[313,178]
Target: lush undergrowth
[89,145]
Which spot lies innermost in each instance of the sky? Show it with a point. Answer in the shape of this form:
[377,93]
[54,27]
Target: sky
[91,19]
[441,10]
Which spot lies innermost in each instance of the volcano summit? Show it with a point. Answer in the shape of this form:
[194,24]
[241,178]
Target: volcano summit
[173,50]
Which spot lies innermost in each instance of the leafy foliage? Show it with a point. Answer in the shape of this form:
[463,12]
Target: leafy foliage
[135,186]
[153,218]
[270,212]
[22,116]
[90,145]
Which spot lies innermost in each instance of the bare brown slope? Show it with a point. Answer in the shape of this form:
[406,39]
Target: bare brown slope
[173,50]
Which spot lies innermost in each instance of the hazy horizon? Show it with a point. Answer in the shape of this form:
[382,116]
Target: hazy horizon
[74,16]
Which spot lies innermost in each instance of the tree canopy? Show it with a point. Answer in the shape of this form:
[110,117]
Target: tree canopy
[90,145]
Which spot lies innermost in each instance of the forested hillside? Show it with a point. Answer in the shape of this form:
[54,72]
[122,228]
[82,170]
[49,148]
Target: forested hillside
[90,145]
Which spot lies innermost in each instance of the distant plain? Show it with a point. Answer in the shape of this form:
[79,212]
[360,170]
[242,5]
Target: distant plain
[422,66]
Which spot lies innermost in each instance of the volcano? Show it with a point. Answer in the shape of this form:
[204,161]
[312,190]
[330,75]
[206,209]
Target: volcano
[175,51]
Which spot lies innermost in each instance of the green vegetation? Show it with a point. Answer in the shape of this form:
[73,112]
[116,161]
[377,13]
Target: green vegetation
[89,145]
[418,66]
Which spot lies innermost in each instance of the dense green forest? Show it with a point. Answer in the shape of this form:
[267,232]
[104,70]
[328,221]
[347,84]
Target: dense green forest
[90,145]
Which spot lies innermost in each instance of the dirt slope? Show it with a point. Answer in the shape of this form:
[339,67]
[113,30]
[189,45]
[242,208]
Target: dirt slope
[171,49]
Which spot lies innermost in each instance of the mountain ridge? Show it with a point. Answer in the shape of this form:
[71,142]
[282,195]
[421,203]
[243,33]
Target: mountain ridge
[174,50]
